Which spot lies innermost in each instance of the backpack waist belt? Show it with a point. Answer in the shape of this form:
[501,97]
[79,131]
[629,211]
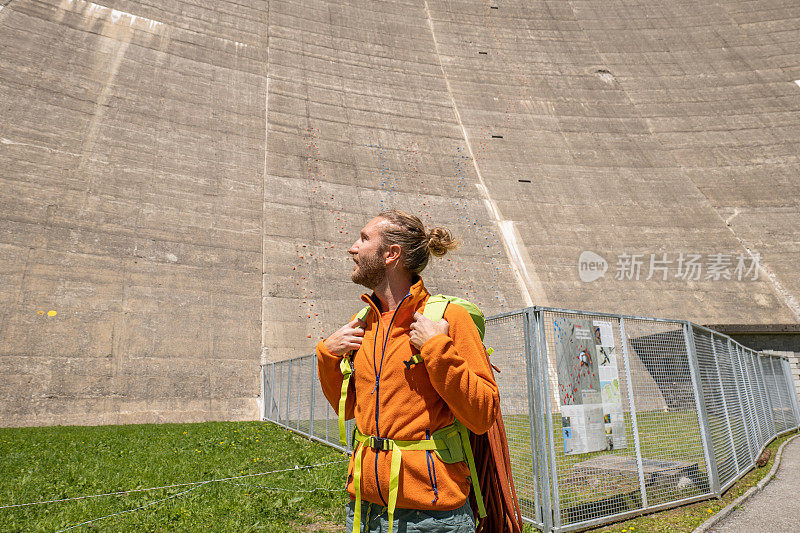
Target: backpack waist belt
[451,444]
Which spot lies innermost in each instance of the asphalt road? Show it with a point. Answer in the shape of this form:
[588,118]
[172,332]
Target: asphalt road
[774,509]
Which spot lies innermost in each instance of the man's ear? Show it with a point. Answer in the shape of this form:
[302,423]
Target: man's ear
[392,253]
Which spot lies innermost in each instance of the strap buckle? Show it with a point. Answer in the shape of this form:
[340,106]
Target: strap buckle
[378,443]
[415,359]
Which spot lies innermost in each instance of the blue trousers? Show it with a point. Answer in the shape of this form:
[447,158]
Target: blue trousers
[375,519]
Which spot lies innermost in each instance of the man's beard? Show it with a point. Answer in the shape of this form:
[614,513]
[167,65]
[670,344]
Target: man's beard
[370,271]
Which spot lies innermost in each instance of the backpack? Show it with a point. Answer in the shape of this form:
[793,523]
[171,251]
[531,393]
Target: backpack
[486,455]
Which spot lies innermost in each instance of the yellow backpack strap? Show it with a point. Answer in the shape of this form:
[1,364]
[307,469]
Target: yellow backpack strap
[357,486]
[346,366]
[434,310]
[347,371]
[473,471]
[435,306]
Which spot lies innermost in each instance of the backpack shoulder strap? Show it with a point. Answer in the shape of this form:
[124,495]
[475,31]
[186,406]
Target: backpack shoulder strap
[435,306]
[362,315]
[346,366]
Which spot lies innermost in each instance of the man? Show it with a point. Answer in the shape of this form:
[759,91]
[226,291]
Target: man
[390,397]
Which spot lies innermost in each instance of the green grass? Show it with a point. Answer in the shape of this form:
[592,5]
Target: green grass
[62,462]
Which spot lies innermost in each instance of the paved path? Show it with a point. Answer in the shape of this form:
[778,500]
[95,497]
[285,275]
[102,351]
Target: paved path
[776,508]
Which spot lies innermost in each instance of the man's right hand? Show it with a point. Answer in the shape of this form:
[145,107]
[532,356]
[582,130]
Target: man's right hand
[348,338]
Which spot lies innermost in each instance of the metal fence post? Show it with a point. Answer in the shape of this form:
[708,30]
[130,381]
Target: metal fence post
[789,409]
[268,375]
[705,429]
[263,372]
[756,429]
[743,409]
[536,418]
[775,398]
[327,418]
[766,402]
[548,438]
[753,387]
[787,368]
[264,412]
[740,465]
[281,398]
[724,402]
[751,394]
[751,390]
[312,382]
[778,393]
[634,421]
[544,367]
[299,388]
[273,401]
[287,417]
[273,393]
[767,396]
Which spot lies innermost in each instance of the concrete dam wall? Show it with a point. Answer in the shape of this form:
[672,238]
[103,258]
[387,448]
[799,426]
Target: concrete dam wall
[180,181]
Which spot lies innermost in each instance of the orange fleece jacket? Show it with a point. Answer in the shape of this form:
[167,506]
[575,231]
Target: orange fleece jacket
[453,380]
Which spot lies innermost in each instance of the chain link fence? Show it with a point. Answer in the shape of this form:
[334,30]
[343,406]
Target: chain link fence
[607,416]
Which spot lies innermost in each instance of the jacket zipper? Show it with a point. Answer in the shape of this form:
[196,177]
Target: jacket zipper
[377,389]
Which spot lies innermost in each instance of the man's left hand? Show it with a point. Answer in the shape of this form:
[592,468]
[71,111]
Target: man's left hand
[423,329]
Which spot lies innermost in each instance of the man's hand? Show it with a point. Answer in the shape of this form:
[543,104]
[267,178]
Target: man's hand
[423,329]
[348,338]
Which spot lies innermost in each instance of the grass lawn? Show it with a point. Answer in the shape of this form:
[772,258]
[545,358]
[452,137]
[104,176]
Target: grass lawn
[64,462]
[61,462]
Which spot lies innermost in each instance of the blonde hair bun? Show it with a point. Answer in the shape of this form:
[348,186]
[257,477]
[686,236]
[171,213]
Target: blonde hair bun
[440,241]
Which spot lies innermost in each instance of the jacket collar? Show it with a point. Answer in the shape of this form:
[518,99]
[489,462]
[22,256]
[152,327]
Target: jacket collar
[418,295]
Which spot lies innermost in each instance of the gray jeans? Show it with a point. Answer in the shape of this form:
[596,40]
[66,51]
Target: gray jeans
[375,519]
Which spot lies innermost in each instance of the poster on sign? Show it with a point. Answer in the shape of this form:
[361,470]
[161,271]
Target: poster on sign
[588,386]
[610,395]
